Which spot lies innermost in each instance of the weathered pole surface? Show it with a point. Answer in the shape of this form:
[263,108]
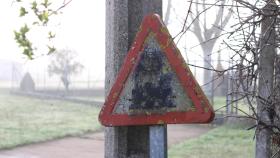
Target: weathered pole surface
[265,85]
[123,18]
[158,141]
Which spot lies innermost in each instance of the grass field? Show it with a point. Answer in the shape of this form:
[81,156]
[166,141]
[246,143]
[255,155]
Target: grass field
[220,103]
[25,120]
[222,142]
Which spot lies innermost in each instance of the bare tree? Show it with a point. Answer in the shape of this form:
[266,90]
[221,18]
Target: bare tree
[207,34]
[64,64]
[254,42]
[167,13]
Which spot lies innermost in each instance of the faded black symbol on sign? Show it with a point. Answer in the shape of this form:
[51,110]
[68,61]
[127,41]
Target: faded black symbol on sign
[152,86]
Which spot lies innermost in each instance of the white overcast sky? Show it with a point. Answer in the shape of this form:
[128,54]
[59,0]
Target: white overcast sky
[81,27]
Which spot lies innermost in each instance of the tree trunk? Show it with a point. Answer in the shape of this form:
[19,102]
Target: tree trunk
[265,83]
[276,97]
[123,18]
[207,49]
[208,37]
[167,13]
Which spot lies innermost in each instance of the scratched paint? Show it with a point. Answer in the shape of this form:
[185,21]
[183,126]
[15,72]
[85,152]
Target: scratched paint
[152,87]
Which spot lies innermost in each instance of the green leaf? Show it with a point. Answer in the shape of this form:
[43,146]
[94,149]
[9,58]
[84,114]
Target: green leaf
[24,29]
[35,23]
[34,5]
[40,17]
[22,12]
[51,35]
[17,35]
[46,3]
[51,50]
[28,53]
[45,16]
[24,42]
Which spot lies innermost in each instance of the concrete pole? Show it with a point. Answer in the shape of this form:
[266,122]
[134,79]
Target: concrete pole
[264,135]
[123,18]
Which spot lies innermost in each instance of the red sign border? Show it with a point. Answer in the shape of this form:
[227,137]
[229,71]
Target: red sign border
[203,113]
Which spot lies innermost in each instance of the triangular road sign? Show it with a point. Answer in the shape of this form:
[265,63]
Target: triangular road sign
[155,85]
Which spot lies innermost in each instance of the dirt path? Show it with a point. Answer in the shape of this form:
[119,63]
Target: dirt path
[92,145]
